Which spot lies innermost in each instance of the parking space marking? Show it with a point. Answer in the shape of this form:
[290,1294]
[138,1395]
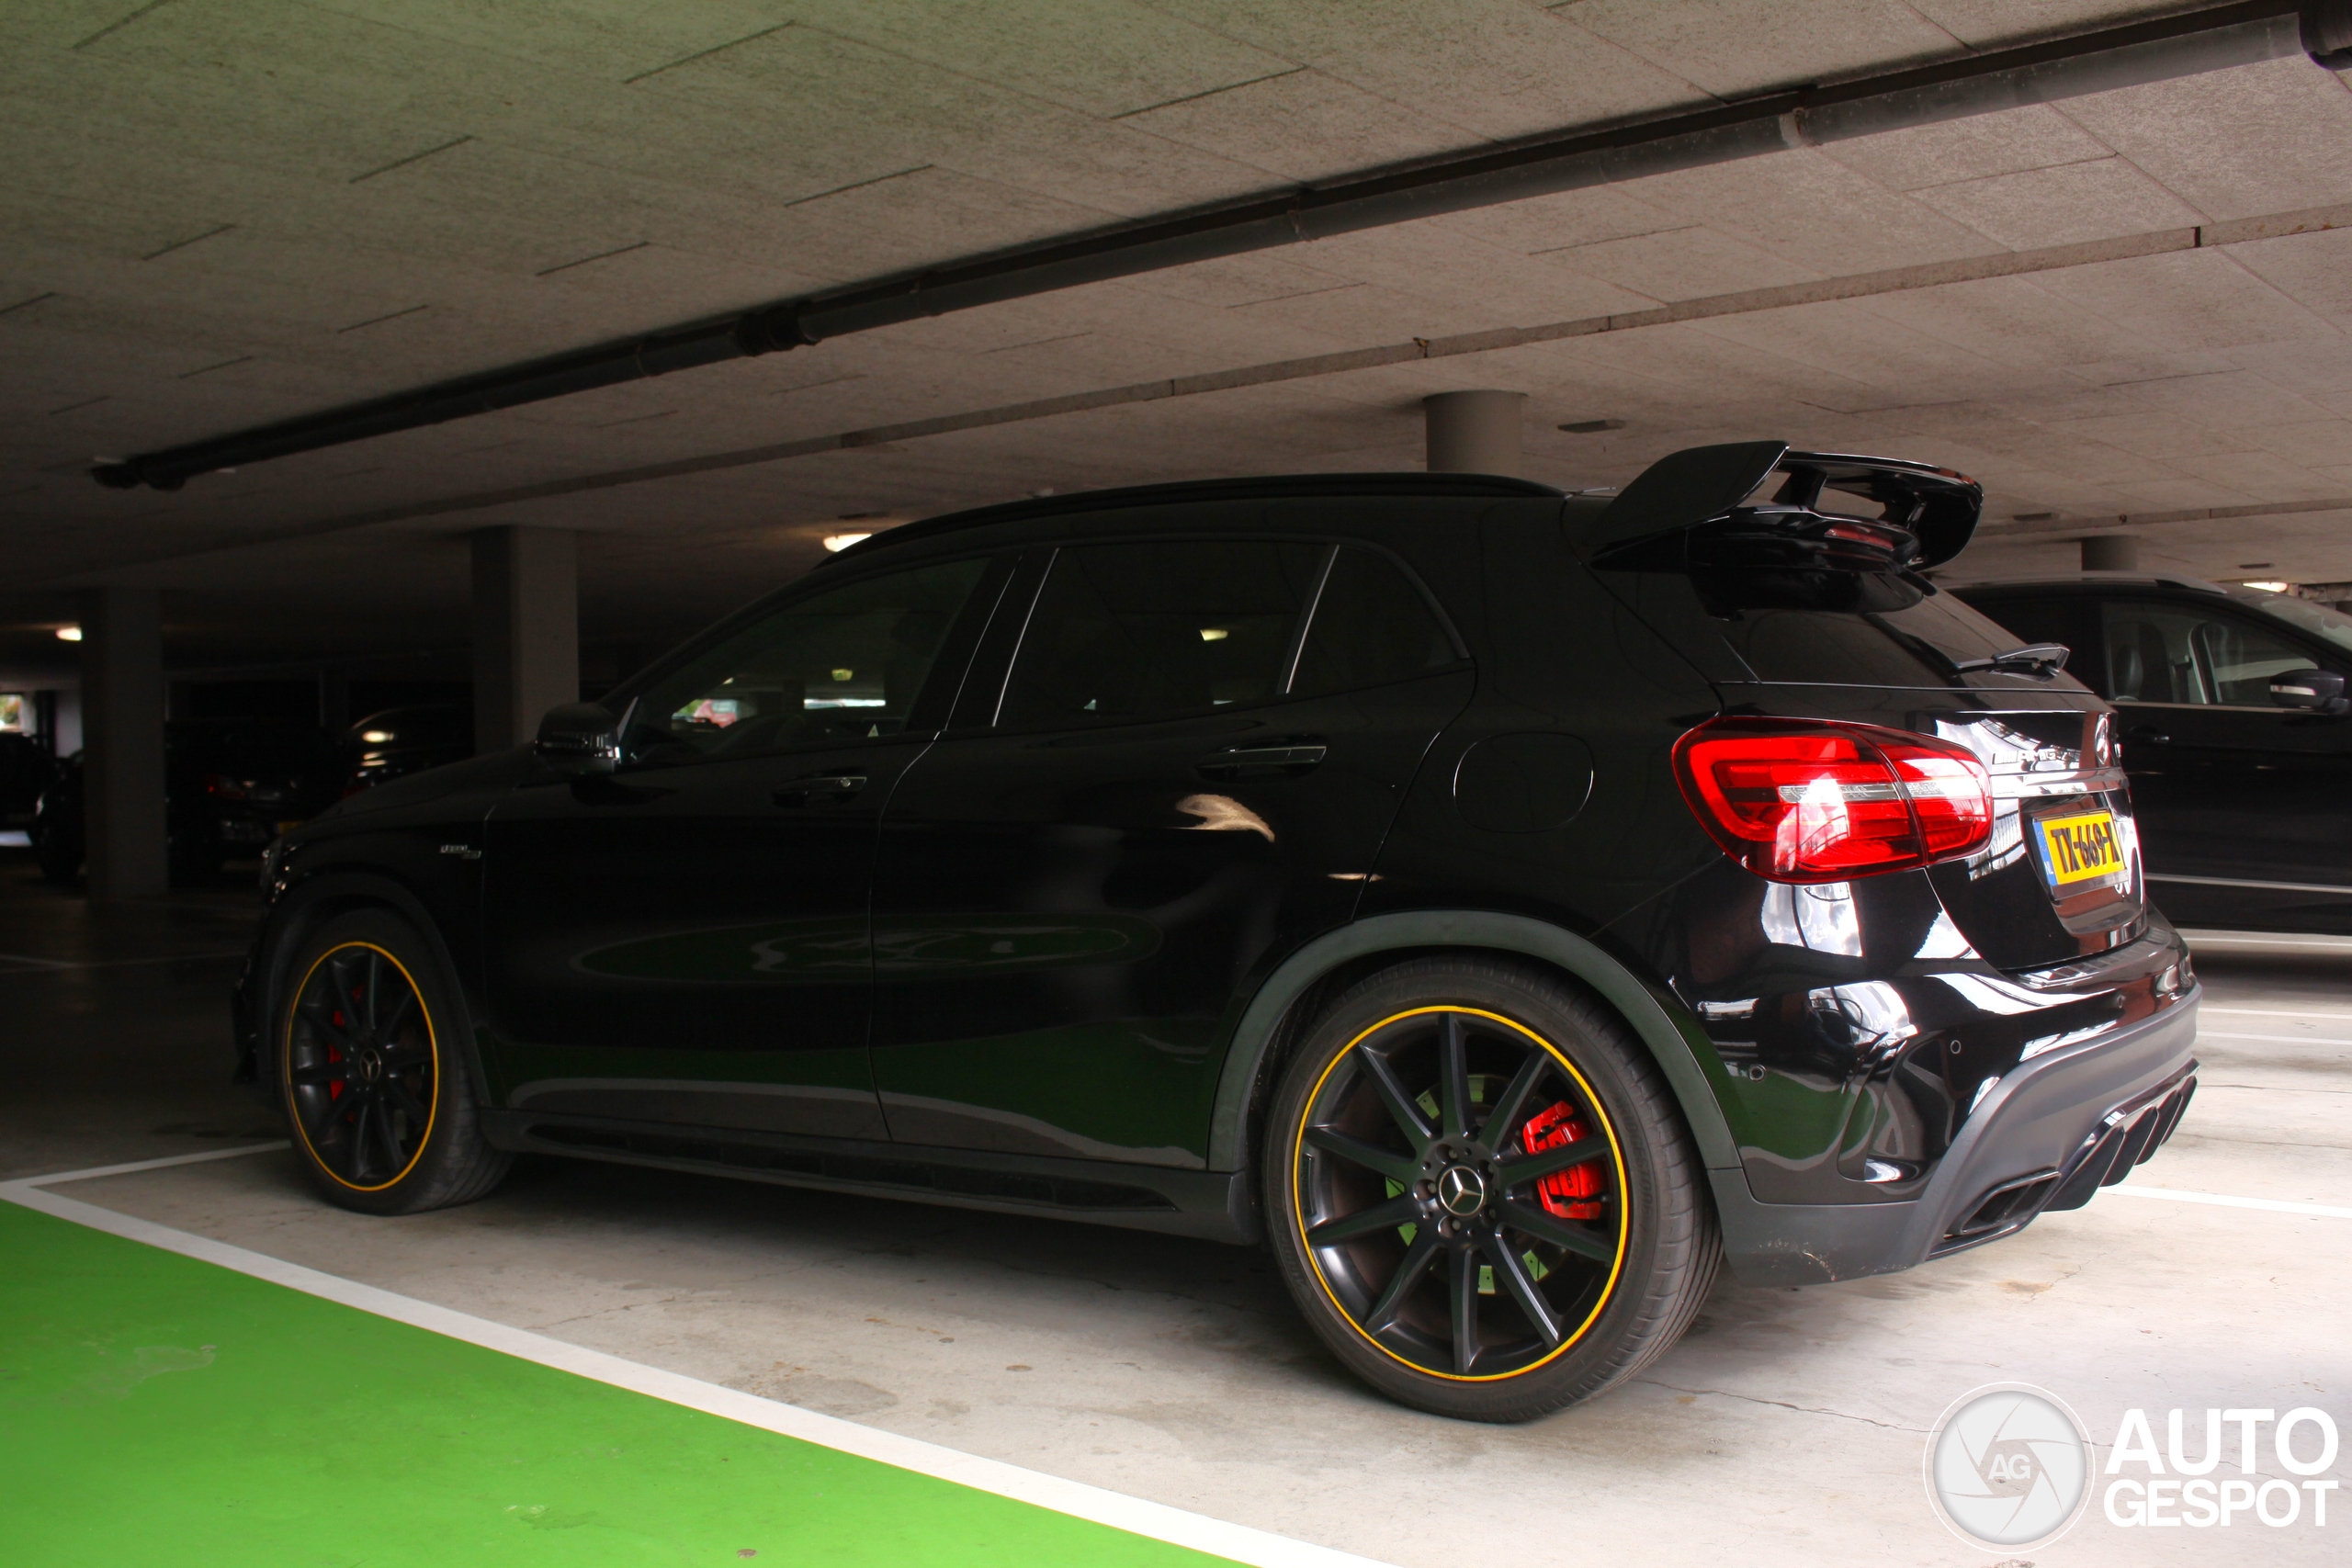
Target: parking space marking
[2277,1012]
[1137,1516]
[2275,1205]
[2281,1039]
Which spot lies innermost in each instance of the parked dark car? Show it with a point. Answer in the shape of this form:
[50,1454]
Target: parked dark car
[25,769]
[1508,905]
[230,786]
[399,741]
[2236,734]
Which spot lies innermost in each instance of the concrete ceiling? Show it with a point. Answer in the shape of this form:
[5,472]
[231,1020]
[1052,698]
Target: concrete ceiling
[219,212]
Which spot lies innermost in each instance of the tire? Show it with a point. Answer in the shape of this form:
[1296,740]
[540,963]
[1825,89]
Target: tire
[1603,1228]
[377,1100]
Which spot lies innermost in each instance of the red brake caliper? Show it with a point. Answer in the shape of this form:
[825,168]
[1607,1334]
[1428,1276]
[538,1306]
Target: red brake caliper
[1573,1194]
[335,1086]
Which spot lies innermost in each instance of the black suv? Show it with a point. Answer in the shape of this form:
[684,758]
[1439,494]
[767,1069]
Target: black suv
[1508,905]
[2237,735]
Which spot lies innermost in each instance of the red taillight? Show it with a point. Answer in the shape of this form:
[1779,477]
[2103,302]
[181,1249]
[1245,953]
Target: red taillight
[1799,800]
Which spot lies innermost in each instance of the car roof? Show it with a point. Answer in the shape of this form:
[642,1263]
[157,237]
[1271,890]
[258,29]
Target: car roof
[1271,487]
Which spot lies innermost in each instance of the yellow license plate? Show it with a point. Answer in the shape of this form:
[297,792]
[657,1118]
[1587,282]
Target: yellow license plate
[2081,848]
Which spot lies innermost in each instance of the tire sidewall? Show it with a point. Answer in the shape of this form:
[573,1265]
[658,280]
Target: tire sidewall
[453,1120]
[1600,1054]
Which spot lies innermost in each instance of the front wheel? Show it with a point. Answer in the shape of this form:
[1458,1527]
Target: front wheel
[377,1100]
[1481,1191]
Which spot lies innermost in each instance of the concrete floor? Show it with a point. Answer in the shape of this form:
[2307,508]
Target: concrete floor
[1787,1428]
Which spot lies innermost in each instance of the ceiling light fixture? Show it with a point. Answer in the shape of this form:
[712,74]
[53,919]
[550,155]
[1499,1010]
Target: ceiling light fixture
[1592,426]
[2267,587]
[2253,565]
[2032,517]
[69,634]
[844,541]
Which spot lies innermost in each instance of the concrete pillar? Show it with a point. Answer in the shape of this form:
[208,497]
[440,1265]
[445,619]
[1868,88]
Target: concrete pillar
[1474,433]
[527,631]
[2111,552]
[122,741]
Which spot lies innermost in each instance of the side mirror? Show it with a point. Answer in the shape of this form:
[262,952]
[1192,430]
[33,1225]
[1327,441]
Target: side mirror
[2313,691]
[579,738]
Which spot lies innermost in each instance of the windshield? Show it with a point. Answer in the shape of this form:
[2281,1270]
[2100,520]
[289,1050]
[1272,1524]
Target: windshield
[2305,616]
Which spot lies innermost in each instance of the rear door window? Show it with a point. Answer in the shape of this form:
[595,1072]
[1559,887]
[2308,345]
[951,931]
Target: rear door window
[2165,652]
[1122,633]
[1371,625]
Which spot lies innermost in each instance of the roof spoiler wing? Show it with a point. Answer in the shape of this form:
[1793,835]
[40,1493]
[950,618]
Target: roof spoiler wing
[1701,484]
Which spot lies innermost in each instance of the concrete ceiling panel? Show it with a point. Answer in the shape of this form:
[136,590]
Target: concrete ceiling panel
[1300,125]
[1734,48]
[1101,57]
[2188,300]
[2314,270]
[2266,137]
[1682,263]
[1563,221]
[2062,205]
[1811,210]
[1976,148]
[2225,400]
[1499,68]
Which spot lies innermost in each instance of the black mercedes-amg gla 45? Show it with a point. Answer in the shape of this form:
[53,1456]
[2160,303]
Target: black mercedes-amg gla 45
[1508,905]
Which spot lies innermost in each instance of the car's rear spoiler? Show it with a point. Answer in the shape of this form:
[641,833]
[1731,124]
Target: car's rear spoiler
[1706,484]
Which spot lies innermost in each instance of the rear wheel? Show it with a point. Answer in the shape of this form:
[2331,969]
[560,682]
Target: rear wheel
[378,1100]
[1482,1194]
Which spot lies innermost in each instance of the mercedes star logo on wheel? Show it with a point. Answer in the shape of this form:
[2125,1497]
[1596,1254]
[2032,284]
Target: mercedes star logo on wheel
[1461,1191]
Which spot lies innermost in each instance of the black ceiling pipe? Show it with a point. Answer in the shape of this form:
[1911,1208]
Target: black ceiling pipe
[2210,39]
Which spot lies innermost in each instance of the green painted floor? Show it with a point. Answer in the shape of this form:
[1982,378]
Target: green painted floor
[159,1410]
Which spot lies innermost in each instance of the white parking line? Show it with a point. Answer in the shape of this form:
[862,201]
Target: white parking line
[2204,1008]
[2283,1039]
[2275,1205]
[1137,1515]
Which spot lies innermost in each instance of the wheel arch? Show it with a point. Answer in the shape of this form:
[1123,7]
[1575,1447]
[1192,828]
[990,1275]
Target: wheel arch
[1275,1014]
[311,904]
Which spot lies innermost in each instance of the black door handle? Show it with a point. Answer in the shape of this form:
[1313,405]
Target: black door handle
[2150,734]
[832,786]
[1260,762]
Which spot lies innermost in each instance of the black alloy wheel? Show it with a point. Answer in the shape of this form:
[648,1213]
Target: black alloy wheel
[378,1101]
[1460,1193]
[1481,1191]
[361,1062]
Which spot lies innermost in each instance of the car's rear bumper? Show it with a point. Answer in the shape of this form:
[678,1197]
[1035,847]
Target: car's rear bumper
[2045,1137]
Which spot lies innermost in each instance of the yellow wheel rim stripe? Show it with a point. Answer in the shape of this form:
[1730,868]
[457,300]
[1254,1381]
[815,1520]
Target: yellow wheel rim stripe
[285,1066]
[1616,1155]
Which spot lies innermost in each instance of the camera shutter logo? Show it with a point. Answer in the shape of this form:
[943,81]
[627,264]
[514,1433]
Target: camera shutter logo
[2008,1465]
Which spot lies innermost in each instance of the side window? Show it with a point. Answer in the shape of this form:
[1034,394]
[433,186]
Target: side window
[1371,626]
[2179,653]
[1121,633]
[837,666]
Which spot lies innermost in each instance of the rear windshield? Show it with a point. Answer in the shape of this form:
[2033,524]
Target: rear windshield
[1853,629]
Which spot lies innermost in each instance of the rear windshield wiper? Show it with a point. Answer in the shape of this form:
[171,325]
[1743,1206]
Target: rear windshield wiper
[2042,659]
